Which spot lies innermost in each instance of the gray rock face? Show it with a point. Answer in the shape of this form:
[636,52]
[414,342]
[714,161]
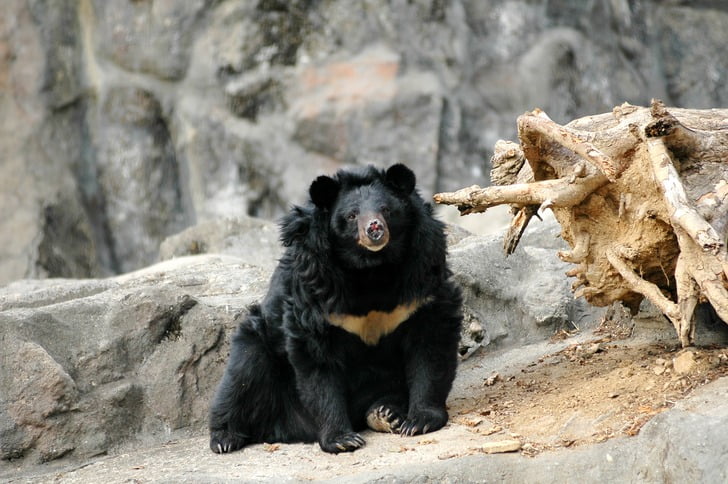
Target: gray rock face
[138,176]
[149,38]
[125,122]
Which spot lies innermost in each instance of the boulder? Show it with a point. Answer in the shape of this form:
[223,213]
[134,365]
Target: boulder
[253,240]
[90,364]
[524,297]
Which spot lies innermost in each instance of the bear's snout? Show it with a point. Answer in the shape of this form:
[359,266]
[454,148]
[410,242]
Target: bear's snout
[373,233]
[375,230]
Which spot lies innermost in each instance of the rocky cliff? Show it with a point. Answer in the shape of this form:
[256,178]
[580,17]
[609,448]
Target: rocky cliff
[127,121]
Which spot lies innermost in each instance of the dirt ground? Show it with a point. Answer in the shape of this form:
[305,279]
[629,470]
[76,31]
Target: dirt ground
[606,386]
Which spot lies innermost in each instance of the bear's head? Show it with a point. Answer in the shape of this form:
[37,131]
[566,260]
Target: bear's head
[370,213]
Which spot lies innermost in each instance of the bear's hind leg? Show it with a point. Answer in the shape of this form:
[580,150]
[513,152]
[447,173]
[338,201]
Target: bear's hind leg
[254,401]
[230,412]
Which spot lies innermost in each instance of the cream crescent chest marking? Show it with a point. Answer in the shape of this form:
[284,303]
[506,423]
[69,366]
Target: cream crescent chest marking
[375,324]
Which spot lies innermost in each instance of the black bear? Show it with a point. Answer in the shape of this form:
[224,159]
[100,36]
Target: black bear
[360,326]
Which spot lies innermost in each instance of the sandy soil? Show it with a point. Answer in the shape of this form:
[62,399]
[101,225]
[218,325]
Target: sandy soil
[588,392]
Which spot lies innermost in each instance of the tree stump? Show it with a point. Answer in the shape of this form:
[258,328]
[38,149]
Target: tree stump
[641,195]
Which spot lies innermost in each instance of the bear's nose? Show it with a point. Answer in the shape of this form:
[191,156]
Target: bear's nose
[375,230]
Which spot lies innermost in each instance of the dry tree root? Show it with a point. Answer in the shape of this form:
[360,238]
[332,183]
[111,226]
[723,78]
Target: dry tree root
[641,195]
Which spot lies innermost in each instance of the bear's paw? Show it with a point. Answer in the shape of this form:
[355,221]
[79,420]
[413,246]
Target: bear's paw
[347,442]
[223,441]
[422,421]
[384,419]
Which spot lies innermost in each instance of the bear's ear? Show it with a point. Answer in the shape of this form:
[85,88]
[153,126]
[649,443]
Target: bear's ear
[323,191]
[401,178]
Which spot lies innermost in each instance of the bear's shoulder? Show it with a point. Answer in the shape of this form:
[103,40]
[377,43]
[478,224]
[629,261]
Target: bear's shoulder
[304,226]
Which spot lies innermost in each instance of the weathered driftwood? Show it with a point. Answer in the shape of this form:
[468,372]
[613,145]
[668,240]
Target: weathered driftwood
[641,195]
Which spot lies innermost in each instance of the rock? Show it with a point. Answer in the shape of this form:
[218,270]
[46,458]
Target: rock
[255,241]
[522,298]
[594,348]
[37,392]
[117,358]
[501,446]
[690,434]
[684,363]
[44,387]
[89,365]
[251,97]
[59,28]
[492,379]
[684,443]
[528,283]
[475,331]
[125,122]
[336,104]
[126,366]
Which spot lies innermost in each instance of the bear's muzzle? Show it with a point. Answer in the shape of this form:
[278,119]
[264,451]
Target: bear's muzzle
[373,232]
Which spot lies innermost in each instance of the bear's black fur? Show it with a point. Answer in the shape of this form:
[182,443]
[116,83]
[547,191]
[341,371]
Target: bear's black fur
[360,326]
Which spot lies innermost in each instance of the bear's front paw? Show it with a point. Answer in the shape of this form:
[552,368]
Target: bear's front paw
[347,442]
[222,441]
[384,418]
[422,421]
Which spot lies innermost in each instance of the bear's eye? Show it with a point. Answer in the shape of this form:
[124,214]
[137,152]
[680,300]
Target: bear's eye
[351,216]
[384,210]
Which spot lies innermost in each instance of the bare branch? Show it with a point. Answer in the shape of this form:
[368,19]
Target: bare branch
[650,291]
[518,225]
[708,273]
[681,212]
[558,193]
[688,293]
